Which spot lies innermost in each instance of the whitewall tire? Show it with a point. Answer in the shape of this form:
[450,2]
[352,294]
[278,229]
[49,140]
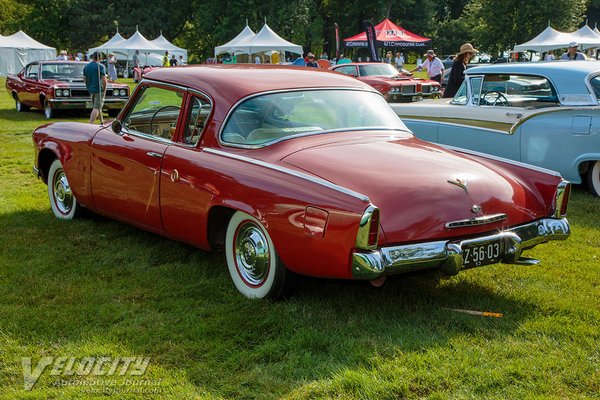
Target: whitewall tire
[255,268]
[48,110]
[62,200]
[593,178]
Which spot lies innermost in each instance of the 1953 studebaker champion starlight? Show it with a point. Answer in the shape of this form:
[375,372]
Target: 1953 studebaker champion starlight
[287,169]
[544,113]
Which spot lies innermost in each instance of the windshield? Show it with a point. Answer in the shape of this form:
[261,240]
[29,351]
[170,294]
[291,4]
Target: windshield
[63,71]
[271,117]
[377,70]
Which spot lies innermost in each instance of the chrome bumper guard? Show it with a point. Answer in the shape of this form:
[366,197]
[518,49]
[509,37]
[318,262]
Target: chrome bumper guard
[448,255]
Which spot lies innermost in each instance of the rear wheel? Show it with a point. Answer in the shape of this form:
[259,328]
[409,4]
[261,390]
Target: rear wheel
[20,107]
[254,266]
[593,178]
[62,200]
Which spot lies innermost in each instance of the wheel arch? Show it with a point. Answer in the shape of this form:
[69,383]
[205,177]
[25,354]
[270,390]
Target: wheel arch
[583,163]
[45,158]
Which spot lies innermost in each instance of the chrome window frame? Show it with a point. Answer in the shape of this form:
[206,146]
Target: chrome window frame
[186,91]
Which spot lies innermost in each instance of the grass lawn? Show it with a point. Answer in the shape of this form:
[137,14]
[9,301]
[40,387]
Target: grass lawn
[98,288]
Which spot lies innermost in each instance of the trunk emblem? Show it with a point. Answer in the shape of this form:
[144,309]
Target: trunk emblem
[461,183]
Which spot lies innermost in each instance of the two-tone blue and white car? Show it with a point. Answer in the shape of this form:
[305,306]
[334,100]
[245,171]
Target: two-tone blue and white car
[545,113]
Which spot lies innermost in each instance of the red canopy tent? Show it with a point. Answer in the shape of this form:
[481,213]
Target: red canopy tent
[389,35]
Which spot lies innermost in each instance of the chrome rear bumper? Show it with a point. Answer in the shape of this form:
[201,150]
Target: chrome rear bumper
[448,255]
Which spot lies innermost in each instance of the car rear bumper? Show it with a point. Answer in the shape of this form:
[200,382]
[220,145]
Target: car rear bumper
[448,255]
[85,104]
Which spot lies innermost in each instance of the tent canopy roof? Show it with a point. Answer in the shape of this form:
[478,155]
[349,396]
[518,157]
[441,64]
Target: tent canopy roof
[389,34]
[21,40]
[163,43]
[551,39]
[232,45]
[264,40]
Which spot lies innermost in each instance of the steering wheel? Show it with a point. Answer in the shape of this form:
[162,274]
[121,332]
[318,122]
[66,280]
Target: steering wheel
[494,96]
[176,108]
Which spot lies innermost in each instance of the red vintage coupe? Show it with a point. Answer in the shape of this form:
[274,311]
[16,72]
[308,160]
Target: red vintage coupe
[396,86]
[58,85]
[287,169]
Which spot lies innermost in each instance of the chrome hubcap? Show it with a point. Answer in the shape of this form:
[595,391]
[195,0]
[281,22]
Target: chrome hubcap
[18,105]
[252,254]
[47,110]
[63,193]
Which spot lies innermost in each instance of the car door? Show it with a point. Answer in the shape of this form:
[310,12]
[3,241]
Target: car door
[476,119]
[189,176]
[126,167]
[30,85]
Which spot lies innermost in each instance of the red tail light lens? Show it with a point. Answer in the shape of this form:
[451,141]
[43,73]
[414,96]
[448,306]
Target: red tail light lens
[561,199]
[374,228]
[565,200]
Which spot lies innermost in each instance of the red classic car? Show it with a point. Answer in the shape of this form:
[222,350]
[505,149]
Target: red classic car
[396,86]
[58,85]
[287,169]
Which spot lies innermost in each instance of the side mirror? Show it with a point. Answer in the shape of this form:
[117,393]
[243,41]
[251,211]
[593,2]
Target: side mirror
[116,126]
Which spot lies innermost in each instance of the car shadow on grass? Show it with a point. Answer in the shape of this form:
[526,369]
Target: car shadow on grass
[96,287]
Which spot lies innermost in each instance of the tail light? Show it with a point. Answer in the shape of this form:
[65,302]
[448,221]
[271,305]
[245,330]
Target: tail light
[368,230]
[561,199]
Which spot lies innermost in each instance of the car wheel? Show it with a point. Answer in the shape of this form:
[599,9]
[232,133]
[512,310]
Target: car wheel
[593,178]
[253,263]
[62,200]
[48,110]
[20,106]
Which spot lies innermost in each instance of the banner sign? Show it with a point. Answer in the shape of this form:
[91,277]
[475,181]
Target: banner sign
[371,38]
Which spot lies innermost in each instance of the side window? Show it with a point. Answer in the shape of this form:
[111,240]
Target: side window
[476,89]
[155,112]
[200,110]
[32,71]
[527,91]
[348,70]
[461,95]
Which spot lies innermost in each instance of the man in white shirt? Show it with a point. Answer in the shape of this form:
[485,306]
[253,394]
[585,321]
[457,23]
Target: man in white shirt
[257,59]
[572,53]
[399,61]
[433,65]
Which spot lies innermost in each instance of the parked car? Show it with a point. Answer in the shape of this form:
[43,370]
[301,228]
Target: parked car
[139,72]
[394,85]
[58,85]
[545,114]
[291,169]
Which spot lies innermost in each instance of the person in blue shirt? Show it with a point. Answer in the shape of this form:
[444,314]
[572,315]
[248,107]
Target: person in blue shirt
[94,76]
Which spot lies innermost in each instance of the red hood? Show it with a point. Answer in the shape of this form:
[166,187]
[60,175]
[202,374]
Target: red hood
[408,180]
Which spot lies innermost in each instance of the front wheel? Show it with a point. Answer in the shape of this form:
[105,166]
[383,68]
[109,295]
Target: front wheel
[253,263]
[593,178]
[62,200]
[48,110]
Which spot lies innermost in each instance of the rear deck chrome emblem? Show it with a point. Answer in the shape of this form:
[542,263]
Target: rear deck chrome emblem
[461,183]
[476,209]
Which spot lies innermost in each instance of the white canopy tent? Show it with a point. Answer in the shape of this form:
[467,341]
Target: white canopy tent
[111,44]
[125,49]
[232,45]
[19,49]
[549,39]
[267,40]
[163,43]
[586,37]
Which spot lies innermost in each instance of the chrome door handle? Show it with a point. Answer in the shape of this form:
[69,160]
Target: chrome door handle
[516,115]
[153,154]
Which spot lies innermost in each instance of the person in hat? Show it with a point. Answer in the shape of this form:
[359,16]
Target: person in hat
[572,53]
[433,65]
[459,66]
[112,67]
[62,56]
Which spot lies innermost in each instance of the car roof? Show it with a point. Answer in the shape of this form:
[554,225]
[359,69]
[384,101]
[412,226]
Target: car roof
[247,79]
[567,76]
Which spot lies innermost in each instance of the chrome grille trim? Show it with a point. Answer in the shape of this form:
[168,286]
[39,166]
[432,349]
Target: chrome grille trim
[486,219]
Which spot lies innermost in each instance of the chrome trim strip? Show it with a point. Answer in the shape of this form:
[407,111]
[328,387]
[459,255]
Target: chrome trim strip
[501,159]
[486,219]
[550,110]
[83,100]
[362,237]
[297,174]
[447,255]
[497,127]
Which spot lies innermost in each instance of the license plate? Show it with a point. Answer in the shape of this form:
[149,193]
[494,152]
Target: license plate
[88,104]
[478,254]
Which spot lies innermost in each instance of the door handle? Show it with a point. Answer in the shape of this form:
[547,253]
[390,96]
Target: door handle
[516,115]
[153,154]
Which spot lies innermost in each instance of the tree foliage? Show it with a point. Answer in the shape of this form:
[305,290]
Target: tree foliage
[199,26]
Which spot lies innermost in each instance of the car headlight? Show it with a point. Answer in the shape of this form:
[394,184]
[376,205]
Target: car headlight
[58,92]
[65,92]
[123,92]
[395,90]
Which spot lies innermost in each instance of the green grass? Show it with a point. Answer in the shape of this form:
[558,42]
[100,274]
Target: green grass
[95,287]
